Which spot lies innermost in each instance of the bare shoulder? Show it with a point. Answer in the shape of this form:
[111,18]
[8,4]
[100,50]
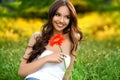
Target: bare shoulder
[33,38]
[36,34]
[77,35]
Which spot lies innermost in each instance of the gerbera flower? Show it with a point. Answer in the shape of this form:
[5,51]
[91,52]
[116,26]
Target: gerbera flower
[56,40]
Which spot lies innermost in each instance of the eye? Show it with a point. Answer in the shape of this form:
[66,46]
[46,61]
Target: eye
[68,17]
[57,14]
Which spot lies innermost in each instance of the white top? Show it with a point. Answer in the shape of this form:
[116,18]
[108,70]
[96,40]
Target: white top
[51,71]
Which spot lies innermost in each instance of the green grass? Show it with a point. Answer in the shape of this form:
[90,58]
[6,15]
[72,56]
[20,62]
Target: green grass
[96,60]
[10,56]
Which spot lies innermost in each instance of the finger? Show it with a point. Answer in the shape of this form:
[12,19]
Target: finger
[63,55]
[60,58]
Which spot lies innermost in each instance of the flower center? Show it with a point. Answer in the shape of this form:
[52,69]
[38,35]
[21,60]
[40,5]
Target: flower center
[57,39]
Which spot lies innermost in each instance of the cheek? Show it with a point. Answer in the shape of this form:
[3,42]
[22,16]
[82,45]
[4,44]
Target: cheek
[53,20]
[68,21]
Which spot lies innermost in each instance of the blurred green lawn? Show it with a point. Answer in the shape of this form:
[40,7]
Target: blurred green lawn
[96,60]
[98,57]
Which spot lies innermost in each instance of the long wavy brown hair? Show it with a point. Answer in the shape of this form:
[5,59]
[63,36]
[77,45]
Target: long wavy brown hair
[47,30]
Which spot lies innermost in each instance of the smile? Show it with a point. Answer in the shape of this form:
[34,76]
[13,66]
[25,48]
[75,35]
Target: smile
[60,25]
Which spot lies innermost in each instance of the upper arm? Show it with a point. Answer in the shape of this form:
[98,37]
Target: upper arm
[31,43]
[32,40]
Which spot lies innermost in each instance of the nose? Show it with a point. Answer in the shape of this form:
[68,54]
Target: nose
[62,19]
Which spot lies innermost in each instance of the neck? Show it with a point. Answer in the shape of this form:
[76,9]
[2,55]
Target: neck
[57,32]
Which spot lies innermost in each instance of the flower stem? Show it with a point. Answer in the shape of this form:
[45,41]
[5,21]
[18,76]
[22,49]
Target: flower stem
[64,58]
[64,64]
[60,49]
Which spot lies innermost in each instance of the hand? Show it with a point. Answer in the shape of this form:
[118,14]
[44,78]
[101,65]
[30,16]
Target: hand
[56,57]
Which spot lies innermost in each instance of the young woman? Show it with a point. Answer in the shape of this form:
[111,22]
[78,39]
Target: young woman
[44,62]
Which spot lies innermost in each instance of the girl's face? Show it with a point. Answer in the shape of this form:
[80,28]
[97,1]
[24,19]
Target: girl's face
[61,19]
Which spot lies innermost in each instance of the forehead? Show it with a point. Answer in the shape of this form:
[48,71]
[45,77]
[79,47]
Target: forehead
[63,10]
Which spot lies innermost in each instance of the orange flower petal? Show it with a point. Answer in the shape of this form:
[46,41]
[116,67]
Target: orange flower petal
[56,40]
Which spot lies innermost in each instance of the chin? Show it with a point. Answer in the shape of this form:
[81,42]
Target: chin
[59,30]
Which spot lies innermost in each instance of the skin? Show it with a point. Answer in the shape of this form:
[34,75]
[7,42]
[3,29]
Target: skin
[60,21]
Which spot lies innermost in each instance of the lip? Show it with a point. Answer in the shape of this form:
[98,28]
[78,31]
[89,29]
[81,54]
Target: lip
[59,25]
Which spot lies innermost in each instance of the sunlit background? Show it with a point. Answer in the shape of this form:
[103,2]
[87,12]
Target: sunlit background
[99,53]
